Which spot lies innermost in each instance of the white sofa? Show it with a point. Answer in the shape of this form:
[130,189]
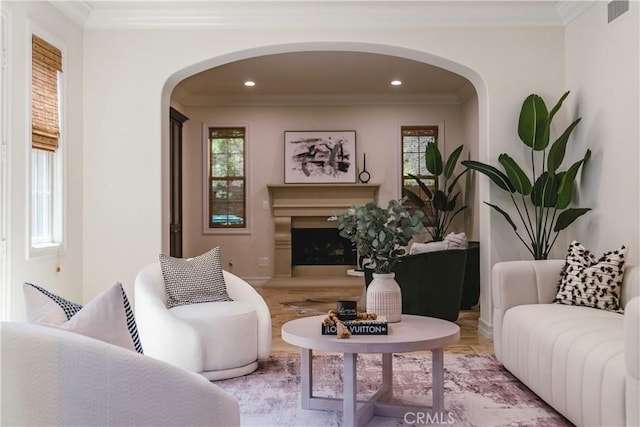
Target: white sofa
[584,362]
[52,377]
[219,340]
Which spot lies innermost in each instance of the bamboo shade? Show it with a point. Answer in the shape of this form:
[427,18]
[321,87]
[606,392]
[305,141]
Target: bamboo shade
[420,131]
[46,63]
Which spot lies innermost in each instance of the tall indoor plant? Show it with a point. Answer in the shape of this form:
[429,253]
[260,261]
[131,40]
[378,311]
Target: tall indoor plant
[443,201]
[379,235]
[542,202]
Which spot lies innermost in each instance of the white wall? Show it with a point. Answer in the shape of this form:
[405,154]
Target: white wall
[39,17]
[377,134]
[128,85]
[602,72]
[470,139]
[118,132]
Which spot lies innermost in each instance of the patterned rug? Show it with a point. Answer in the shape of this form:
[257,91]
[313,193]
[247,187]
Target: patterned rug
[311,306]
[478,392]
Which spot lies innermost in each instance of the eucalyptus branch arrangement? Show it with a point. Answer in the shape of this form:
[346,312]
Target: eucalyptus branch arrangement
[379,234]
[542,202]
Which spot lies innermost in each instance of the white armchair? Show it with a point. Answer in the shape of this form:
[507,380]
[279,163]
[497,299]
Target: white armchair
[53,377]
[216,339]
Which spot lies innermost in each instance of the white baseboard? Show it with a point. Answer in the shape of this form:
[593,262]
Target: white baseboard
[485,328]
[257,281]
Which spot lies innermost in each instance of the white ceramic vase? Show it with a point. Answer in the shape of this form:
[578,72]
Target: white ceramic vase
[384,297]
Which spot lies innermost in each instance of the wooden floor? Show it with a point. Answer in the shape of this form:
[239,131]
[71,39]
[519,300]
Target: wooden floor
[291,299]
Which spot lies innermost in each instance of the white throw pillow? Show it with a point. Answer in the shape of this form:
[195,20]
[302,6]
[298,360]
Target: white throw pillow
[420,248]
[457,241]
[42,306]
[108,317]
[589,281]
[195,280]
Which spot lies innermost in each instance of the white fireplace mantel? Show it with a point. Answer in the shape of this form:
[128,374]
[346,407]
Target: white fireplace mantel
[290,201]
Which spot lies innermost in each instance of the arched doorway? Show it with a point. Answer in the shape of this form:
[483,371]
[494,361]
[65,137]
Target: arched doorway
[426,58]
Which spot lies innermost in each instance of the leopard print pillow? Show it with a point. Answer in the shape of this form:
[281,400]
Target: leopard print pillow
[592,282]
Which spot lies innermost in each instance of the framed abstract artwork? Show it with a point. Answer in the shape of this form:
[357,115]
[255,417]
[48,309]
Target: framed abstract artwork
[319,157]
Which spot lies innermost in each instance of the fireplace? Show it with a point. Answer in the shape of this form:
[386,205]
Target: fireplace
[307,206]
[320,246]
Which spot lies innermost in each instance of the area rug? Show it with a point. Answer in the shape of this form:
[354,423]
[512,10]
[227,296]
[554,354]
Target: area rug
[311,306]
[478,392]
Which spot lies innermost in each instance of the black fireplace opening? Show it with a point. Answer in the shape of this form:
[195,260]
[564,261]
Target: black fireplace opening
[321,246]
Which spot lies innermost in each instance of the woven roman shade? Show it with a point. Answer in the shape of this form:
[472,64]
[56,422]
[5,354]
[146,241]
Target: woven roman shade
[46,63]
[420,131]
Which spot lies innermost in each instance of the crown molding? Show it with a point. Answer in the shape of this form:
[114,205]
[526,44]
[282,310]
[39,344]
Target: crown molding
[189,100]
[571,9]
[78,11]
[304,14]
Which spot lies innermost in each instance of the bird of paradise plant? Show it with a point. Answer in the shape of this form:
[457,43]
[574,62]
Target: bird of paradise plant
[542,202]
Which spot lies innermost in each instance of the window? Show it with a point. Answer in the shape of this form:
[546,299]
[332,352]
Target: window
[227,189]
[414,143]
[46,188]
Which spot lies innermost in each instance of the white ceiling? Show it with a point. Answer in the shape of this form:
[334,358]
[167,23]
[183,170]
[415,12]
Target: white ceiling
[378,14]
[319,75]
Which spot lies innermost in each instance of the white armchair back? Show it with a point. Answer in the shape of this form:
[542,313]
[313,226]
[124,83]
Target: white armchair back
[56,377]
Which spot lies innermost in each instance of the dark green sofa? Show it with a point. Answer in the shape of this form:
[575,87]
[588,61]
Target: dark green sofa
[431,283]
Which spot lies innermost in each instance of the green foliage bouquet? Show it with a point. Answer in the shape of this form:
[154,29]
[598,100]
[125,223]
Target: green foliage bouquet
[378,233]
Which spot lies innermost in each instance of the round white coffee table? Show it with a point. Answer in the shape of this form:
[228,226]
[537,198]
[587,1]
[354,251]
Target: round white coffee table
[413,333]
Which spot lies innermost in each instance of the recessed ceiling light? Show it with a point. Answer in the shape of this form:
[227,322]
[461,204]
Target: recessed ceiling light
[396,82]
[249,83]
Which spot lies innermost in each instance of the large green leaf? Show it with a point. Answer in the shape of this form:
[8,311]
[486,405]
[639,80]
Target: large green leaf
[455,180]
[569,177]
[413,198]
[564,197]
[518,178]
[451,204]
[567,217]
[533,125]
[558,148]
[499,178]
[451,162]
[440,201]
[423,186]
[545,190]
[556,107]
[505,215]
[433,159]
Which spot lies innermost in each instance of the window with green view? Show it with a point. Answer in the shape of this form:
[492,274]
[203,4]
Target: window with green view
[227,181]
[414,143]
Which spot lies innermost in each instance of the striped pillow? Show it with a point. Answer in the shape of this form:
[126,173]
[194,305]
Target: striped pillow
[108,317]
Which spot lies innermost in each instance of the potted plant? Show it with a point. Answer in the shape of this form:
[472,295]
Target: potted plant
[542,201]
[443,201]
[379,235]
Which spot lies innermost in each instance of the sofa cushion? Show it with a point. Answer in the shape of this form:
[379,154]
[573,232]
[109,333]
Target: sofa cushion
[42,306]
[108,317]
[572,357]
[589,281]
[220,324]
[193,281]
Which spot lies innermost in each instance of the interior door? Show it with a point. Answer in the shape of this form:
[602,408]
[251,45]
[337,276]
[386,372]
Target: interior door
[175,167]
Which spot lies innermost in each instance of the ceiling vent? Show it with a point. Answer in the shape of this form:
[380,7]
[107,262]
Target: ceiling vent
[617,8]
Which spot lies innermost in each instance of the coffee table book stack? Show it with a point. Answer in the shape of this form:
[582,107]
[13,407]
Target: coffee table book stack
[360,327]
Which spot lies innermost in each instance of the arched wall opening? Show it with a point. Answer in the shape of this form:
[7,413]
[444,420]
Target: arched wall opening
[473,76]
